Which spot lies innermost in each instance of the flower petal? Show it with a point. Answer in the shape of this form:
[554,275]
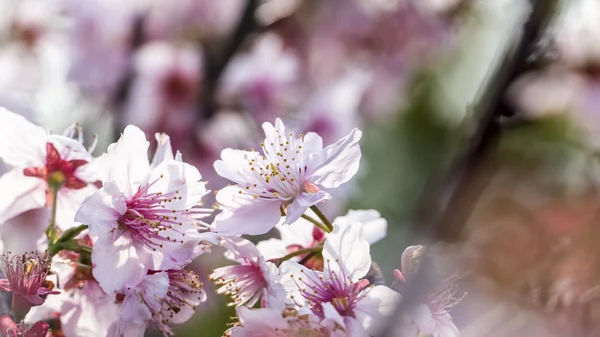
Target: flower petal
[20,194]
[229,167]
[336,163]
[126,161]
[22,143]
[373,225]
[244,215]
[101,210]
[116,264]
[302,202]
[347,245]
[373,309]
[164,151]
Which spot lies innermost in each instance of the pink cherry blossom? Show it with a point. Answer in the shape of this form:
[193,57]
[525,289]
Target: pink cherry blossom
[161,298]
[39,159]
[252,279]
[26,279]
[432,316]
[164,93]
[268,322]
[291,175]
[338,292]
[145,217]
[8,328]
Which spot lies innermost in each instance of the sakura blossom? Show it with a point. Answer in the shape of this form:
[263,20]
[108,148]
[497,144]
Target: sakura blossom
[252,279]
[432,316]
[160,298]
[293,174]
[42,162]
[26,279]
[339,292]
[145,216]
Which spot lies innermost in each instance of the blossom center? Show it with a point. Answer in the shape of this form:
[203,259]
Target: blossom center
[149,214]
[330,287]
[58,172]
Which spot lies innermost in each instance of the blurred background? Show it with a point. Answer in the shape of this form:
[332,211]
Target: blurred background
[480,121]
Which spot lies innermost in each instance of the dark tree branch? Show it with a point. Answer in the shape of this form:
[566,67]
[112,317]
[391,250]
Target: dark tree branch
[450,196]
[216,63]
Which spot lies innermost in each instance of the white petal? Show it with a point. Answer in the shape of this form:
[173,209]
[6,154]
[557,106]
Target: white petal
[240,250]
[272,248]
[116,264]
[313,143]
[337,163]
[69,201]
[376,307]
[374,227]
[232,164]
[164,151]
[302,202]
[20,194]
[127,160]
[101,210]
[174,175]
[244,215]
[347,245]
[300,232]
[21,142]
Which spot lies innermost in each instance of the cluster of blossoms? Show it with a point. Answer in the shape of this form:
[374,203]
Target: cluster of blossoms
[122,229]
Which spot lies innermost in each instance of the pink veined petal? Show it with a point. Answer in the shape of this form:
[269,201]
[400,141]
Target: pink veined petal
[22,143]
[347,245]
[102,210]
[355,328]
[240,250]
[300,232]
[423,318]
[245,216]
[337,163]
[116,264]
[127,160]
[376,307]
[302,202]
[20,194]
[79,315]
[172,175]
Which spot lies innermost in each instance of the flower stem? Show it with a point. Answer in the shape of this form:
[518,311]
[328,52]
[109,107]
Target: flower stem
[323,218]
[317,249]
[52,231]
[316,223]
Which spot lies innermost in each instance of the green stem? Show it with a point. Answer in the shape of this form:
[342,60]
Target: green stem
[316,223]
[317,249]
[51,231]
[323,218]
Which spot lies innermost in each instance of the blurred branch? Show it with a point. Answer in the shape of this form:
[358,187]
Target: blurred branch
[215,63]
[450,195]
[123,88]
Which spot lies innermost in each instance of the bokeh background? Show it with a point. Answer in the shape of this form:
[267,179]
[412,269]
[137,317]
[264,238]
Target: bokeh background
[480,123]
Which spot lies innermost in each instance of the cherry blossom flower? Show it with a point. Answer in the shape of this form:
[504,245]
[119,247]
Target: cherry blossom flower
[161,298]
[40,160]
[145,217]
[303,234]
[291,175]
[8,328]
[164,93]
[431,316]
[252,279]
[270,322]
[262,80]
[26,279]
[338,292]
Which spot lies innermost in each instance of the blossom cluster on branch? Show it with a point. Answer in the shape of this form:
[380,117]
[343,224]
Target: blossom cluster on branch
[123,227]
